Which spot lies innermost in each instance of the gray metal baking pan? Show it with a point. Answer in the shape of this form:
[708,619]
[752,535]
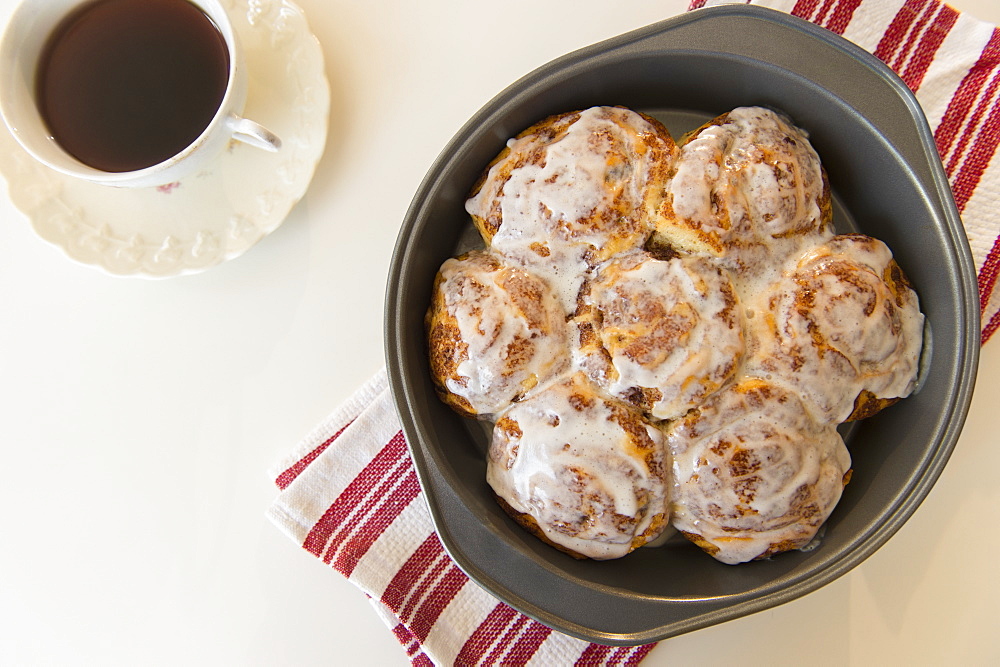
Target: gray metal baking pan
[887,181]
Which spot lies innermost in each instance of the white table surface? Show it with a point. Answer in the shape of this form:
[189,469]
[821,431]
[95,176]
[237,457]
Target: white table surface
[138,418]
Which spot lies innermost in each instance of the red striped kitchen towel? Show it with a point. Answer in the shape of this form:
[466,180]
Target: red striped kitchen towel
[951,61]
[349,494]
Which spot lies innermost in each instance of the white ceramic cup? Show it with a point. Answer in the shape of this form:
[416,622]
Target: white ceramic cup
[23,41]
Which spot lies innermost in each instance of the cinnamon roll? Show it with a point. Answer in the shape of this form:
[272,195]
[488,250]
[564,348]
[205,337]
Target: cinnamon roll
[843,328]
[586,474]
[494,333]
[662,335]
[747,188]
[753,474]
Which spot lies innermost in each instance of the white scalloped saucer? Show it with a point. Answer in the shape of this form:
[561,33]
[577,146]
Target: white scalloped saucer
[213,215]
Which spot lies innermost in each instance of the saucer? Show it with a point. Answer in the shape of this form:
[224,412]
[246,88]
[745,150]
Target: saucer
[213,215]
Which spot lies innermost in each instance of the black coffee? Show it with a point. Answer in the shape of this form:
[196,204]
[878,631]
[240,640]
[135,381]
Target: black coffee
[126,84]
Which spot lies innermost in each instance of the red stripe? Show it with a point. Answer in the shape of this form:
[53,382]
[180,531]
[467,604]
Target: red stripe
[971,126]
[364,512]
[484,636]
[597,655]
[422,661]
[287,477]
[406,639]
[500,646]
[968,91]
[914,36]
[928,47]
[894,35]
[696,4]
[428,594]
[823,11]
[991,328]
[352,550]
[406,578]
[527,645]
[435,604]
[804,9]
[349,498]
[593,656]
[621,654]
[987,136]
[428,580]
[842,15]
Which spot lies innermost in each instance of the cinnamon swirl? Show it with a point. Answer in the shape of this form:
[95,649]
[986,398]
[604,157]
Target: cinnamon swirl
[494,333]
[753,474]
[584,473]
[572,191]
[662,335]
[747,188]
[843,328]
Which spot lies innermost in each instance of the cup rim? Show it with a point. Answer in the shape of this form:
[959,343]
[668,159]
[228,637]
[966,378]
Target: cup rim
[15,121]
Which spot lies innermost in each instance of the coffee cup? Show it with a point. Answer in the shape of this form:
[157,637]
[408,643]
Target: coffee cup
[62,123]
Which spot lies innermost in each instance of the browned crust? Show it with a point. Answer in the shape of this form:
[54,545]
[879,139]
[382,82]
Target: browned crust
[659,247]
[898,283]
[446,350]
[826,201]
[528,522]
[868,405]
[710,239]
[687,137]
[702,543]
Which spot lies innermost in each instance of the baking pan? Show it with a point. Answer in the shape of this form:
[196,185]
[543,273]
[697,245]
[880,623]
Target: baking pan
[887,182]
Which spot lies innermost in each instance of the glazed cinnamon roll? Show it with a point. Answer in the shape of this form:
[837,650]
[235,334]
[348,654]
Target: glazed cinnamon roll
[754,475]
[662,335]
[843,328]
[747,188]
[494,333]
[572,191]
[586,474]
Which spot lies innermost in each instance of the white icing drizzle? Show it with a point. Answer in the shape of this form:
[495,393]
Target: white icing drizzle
[590,472]
[574,193]
[748,191]
[832,327]
[511,325]
[670,329]
[696,172]
[753,474]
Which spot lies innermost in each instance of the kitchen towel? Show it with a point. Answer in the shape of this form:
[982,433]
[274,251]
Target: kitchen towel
[349,494]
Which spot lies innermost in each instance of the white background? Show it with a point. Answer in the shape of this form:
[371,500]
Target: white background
[138,418]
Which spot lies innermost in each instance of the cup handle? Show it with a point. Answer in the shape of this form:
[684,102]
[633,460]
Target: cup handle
[254,134]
